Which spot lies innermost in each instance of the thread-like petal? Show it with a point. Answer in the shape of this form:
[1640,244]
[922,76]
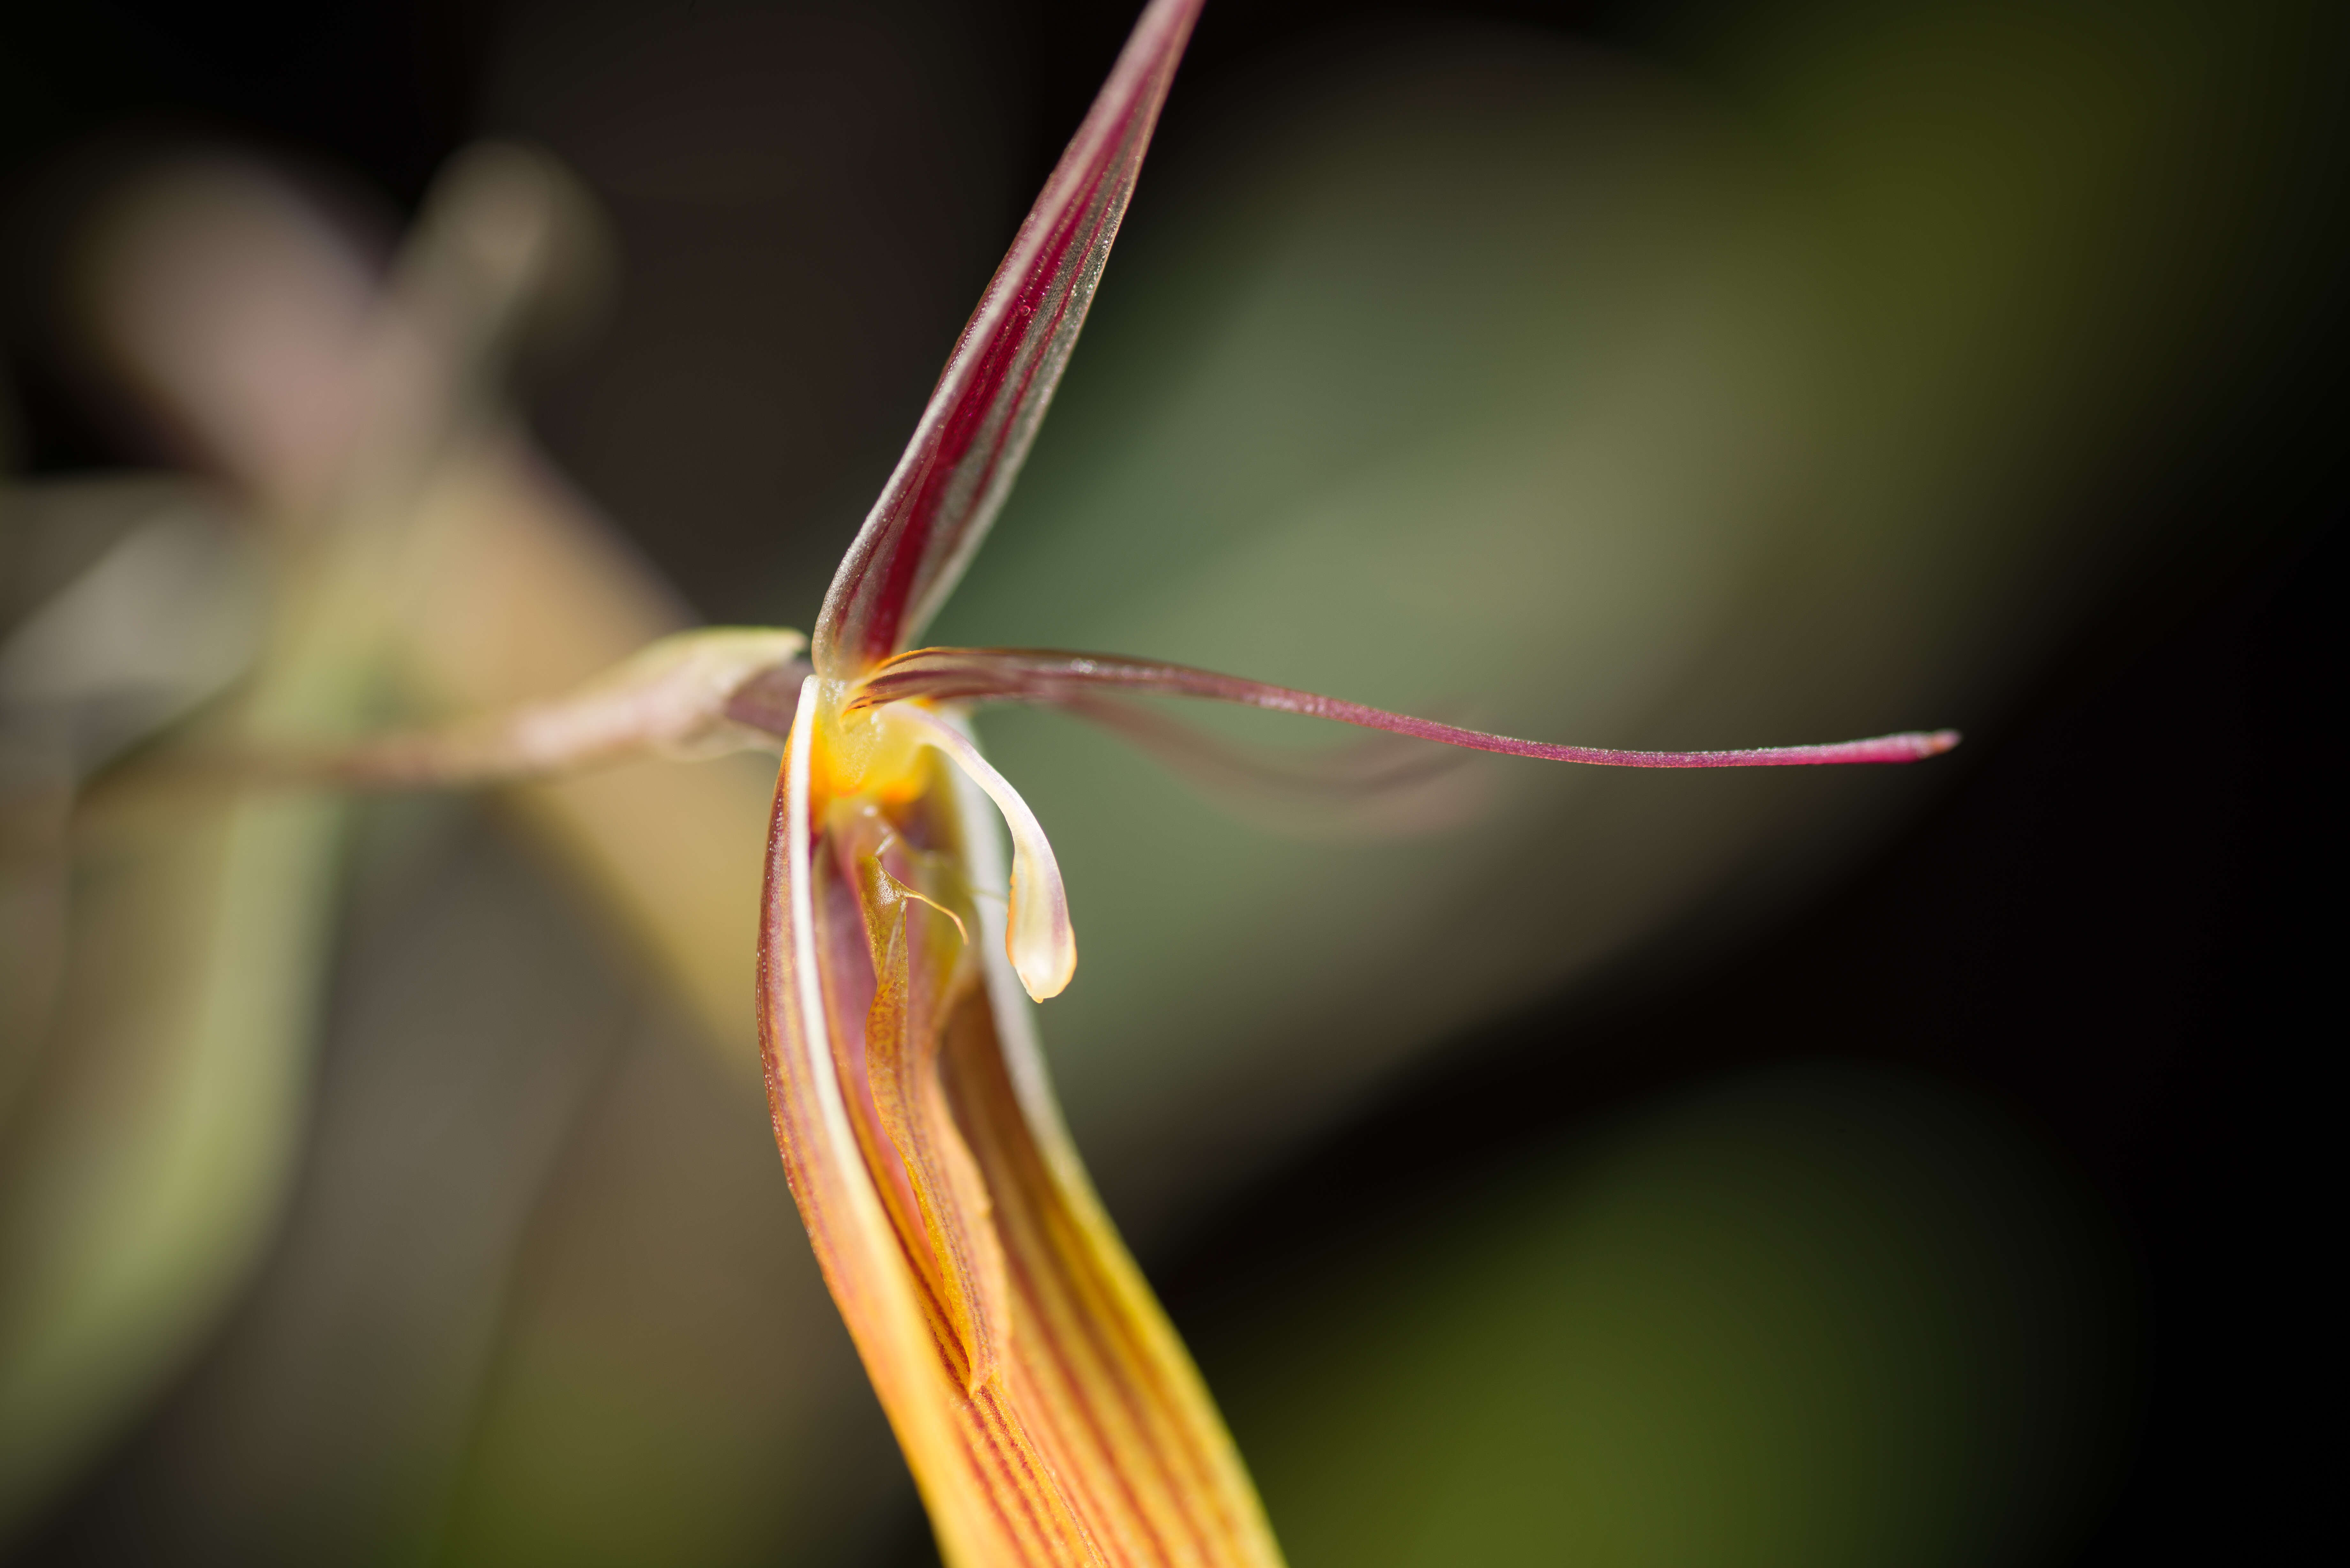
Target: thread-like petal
[1055,678]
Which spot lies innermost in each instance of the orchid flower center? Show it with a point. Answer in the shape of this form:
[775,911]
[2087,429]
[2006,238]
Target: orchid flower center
[870,752]
[876,753]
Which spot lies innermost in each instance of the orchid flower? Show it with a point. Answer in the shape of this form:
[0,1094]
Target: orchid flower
[1049,1412]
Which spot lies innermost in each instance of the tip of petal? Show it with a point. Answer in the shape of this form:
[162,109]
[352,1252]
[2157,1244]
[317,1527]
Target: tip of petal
[1935,745]
[1045,961]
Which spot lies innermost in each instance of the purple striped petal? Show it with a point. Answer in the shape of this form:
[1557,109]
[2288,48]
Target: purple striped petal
[969,447]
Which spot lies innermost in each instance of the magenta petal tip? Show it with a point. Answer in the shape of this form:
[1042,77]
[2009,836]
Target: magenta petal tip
[1919,744]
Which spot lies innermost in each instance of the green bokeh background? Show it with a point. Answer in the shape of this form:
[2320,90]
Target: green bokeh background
[1821,1314]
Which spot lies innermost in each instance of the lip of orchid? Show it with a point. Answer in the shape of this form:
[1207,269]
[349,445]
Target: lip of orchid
[1050,677]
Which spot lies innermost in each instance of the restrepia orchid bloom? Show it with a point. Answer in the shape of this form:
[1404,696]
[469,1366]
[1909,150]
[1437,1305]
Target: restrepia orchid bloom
[1048,1412]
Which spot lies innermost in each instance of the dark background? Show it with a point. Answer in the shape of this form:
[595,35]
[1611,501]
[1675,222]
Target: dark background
[2117,920]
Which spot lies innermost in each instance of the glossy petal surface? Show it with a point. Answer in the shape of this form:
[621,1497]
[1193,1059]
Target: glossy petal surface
[976,431]
[1048,1410]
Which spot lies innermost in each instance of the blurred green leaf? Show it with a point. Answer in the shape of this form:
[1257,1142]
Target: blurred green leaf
[1821,1315]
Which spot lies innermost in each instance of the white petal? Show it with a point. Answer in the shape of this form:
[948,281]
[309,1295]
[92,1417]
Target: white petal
[1038,938]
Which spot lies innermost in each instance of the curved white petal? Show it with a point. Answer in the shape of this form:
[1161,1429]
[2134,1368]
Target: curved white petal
[1038,938]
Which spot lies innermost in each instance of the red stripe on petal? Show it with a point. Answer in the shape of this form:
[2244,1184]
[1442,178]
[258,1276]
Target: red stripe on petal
[975,433]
